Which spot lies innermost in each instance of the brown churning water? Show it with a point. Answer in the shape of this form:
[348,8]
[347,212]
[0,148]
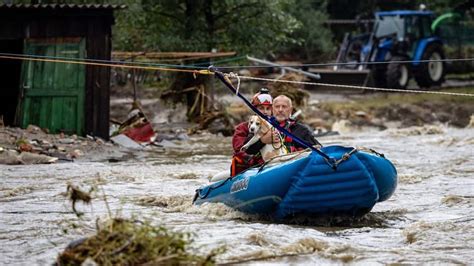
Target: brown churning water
[429,219]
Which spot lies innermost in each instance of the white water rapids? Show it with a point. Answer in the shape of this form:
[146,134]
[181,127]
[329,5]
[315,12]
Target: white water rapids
[429,219]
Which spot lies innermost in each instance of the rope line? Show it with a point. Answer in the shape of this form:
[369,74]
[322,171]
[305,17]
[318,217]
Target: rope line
[120,62]
[234,75]
[201,71]
[270,119]
[353,63]
[356,87]
[94,62]
[197,66]
[116,63]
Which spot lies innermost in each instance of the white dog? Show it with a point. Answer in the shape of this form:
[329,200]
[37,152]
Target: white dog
[259,127]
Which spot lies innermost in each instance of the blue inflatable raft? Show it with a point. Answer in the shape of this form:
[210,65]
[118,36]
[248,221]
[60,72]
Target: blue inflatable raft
[309,184]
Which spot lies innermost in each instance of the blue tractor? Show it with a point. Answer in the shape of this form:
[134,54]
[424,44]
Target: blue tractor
[397,37]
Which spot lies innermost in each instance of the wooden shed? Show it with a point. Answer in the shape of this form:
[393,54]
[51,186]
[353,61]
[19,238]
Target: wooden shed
[63,97]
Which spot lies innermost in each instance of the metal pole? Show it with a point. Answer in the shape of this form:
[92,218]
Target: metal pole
[264,62]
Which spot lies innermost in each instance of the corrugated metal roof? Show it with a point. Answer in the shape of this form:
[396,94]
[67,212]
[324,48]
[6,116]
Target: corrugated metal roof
[61,6]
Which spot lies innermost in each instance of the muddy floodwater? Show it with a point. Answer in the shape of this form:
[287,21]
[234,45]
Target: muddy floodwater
[429,219]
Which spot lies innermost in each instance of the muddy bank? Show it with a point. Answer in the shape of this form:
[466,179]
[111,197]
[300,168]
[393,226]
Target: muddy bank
[321,111]
[393,115]
[452,114]
[382,111]
[33,144]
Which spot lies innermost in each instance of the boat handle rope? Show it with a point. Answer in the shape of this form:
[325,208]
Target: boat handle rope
[267,162]
[378,153]
[345,156]
[270,119]
[361,148]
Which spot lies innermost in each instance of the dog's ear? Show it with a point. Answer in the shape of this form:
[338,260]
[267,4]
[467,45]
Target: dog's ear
[264,124]
[249,121]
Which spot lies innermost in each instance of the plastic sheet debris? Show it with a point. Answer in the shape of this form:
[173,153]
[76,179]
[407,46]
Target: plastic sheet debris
[126,142]
[136,129]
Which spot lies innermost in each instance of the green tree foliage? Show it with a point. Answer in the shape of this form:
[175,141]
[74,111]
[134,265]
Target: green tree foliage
[245,26]
[67,1]
[256,27]
[312,40]
[338,9]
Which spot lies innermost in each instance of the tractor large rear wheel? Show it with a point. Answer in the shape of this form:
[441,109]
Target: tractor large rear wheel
[378,76]
[398,74]
[431,73]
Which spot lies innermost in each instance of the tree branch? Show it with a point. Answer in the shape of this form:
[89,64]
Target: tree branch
[234,9]
[224,26]
[168,16]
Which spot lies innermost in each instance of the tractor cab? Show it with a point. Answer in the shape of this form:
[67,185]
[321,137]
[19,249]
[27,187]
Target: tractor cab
[400,32]
[404,44]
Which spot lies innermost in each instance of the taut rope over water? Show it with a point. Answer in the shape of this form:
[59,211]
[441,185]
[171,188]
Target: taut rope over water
[224,78]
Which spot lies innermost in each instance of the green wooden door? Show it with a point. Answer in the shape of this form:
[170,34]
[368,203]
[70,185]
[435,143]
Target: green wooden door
[53,93]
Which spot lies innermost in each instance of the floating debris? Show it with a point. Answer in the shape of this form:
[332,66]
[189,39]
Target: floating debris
[126,142]
[134,131]
[75,194]
[121,241]
[126,242]
[298,96]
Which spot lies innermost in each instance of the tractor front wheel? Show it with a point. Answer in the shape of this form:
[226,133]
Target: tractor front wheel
[431,73]
[398,73]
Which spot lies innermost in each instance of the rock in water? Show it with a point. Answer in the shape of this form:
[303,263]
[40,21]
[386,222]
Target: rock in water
[471,122]
[342,126]
[9,157]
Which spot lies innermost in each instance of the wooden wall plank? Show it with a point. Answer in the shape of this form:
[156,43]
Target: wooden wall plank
[92,24]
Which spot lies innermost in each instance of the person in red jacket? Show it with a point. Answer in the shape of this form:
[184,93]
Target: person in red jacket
[282,109]
[243,160]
